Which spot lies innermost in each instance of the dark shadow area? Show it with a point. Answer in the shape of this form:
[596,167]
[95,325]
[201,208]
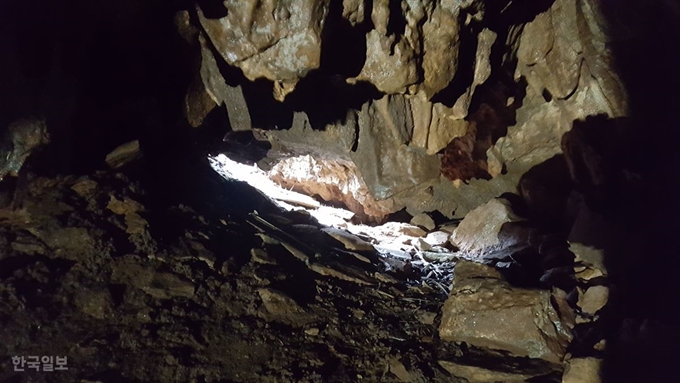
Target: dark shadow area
[213,9]
[645,323]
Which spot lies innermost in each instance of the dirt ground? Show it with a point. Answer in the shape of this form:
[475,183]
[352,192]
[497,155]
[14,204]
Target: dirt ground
[133,295]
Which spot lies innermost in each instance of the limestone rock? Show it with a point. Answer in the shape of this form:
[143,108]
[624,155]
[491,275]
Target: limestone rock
[423,220]
[354,11]
[474,374]
[157,284]
[563,54]
[482,65]
[444,128]
[390,64]
[21,138]
[434,124]
[335,141]
[440,45]
[351,242]
[123,155]
[593,299]
[277,40]
[331,180]
[280,307]
[484,311]
[477,235]
[213,82]
[385,162]
[582,370]
[437,238]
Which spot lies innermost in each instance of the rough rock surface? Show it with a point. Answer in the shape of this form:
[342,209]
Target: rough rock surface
[89,270]
[279,41]
[484,311]
[385,162]
[479,235]
[21,138]
[582,370]
[563,56]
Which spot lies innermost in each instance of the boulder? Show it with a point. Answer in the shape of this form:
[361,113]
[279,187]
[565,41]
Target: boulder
[479,235]
[485,311]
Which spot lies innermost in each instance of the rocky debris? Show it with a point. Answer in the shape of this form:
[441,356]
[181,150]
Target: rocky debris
[437,238]
[189,295]
[20,139]
[484,311]
[423,220]
[351,242]
[582,370]
[593,299]
[282,308]
[473,374]
[479,236]
[123,155]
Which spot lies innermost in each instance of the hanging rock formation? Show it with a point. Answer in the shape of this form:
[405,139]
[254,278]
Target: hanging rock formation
[465,84]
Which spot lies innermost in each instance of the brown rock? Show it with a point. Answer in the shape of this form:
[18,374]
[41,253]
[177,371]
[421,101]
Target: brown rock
[350,241]
[423,220]
[484,311]
[390,64]
[477,235]
[159,285]
[279,41]
[441,44]
[473,374]
[437,238]
[20,140]
[568,66]
[123,155]
[280,307]
[333,181]
[382,156]
[582,370]
[593,299]
[354,11]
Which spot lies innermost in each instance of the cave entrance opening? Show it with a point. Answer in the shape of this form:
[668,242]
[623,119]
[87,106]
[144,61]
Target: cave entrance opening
[405,242]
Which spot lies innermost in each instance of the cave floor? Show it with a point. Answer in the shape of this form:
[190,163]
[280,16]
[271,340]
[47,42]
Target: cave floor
[127,294]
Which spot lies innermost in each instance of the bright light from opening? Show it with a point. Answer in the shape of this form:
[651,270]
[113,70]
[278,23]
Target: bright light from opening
[393,238]
[286,199]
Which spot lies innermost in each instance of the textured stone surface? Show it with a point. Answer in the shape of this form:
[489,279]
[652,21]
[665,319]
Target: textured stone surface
[423,220]
[21,138]
[478,235]
[474,374]
[582,370]
[385,162]
[277,40]
[593,299]
[563,56]
[484,311]
[335,141]
[354,11]
[123,155]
